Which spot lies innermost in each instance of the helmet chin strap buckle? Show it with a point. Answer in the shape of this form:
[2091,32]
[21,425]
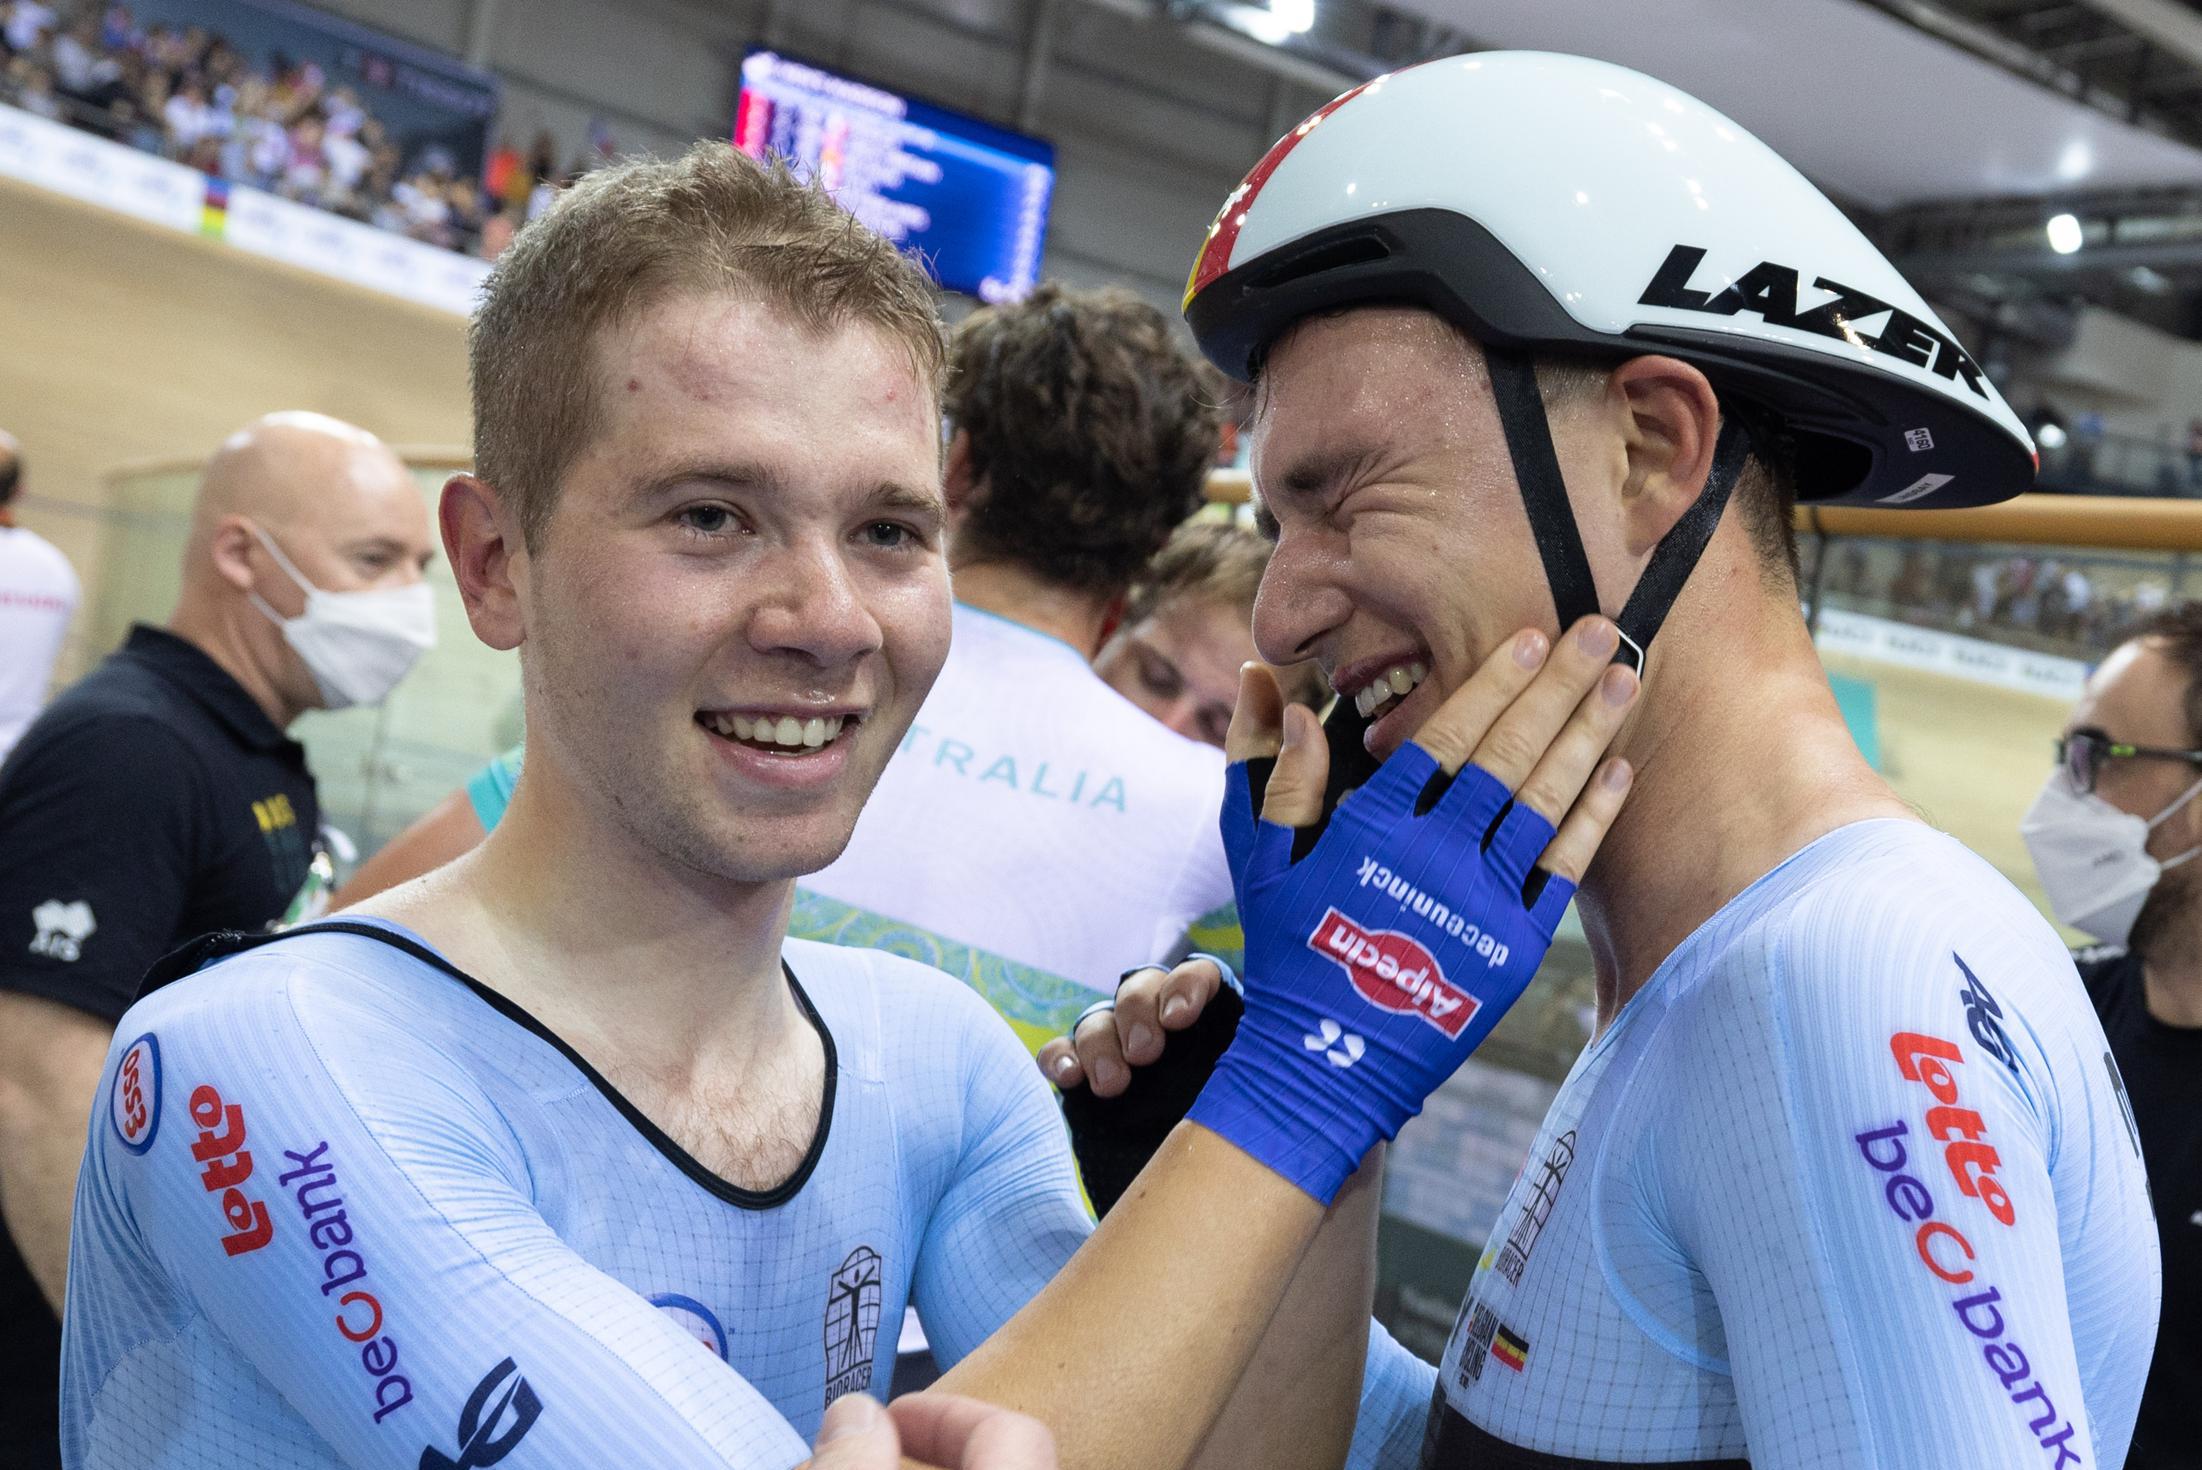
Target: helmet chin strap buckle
[1631,653]
[1552,518]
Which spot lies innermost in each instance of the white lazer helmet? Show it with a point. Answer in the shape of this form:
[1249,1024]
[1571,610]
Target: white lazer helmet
[1555,205]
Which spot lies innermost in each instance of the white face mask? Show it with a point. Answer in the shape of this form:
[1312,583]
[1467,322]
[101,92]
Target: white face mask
[2093,858]
[357,645]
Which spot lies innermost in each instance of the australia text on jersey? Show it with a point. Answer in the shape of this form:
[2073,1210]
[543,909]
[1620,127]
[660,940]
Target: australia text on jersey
[1036,778]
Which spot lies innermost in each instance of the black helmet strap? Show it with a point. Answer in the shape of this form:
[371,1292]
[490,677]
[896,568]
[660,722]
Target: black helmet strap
[1552,520]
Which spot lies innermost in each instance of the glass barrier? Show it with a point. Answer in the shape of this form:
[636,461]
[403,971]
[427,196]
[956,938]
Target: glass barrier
[378,768]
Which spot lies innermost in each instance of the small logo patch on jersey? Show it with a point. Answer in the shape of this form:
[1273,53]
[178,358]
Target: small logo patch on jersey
[852,1323]
[695,1319]
[1510,1348]
[1985,1017]
[62,929]
[1537,1208]
[134,1105]
[1479,1325]
[1394,972]
[490,1429]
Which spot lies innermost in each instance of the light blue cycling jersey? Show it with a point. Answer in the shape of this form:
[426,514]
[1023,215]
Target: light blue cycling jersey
[1851,1182]
[343,1206]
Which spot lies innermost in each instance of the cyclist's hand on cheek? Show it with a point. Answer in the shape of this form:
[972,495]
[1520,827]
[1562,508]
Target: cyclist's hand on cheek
[1385,954]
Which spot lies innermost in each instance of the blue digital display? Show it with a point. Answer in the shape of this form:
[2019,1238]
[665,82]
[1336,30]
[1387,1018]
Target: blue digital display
[970,198]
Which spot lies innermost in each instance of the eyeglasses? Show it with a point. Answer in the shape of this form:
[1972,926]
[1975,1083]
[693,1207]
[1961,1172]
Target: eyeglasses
[2083,752]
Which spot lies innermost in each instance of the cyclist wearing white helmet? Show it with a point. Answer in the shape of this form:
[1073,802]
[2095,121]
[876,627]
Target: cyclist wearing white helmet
[1845,1176]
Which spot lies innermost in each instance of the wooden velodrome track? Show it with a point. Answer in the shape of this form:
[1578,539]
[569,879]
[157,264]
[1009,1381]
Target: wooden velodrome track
[120,341]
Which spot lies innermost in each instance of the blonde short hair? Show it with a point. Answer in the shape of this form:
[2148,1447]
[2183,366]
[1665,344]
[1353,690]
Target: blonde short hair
[626,237]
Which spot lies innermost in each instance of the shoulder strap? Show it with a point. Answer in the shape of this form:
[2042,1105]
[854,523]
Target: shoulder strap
[192,957]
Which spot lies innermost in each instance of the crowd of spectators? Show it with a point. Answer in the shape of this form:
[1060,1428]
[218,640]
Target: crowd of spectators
[2051,604]
[283,126]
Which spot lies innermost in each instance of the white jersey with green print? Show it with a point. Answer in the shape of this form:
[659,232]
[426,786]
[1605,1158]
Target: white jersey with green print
[1036,833]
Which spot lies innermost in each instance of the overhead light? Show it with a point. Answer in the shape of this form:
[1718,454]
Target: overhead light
[1278,21]
[2049,436]
[2064,234]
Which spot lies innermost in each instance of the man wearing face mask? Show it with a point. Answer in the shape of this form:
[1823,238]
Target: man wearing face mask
[2114,835]
[160,798]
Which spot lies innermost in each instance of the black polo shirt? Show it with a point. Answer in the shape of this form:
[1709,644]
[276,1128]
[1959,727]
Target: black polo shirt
[150,803]
[2162,1066]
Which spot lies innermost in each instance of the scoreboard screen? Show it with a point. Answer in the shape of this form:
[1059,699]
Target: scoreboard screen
[970,199]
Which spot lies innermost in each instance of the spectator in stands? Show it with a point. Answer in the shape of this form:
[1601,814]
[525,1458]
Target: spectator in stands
[38,596]
[1188,628]
[2114,836]
[191,96]
[82,67]
[31,87]
[28,21]
[187,116]
[159,798]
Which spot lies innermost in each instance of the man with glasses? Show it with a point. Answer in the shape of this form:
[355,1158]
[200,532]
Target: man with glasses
[2113,835]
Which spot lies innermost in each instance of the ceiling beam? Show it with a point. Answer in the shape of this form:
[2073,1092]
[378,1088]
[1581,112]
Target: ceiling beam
[2045,264]
[2172,26]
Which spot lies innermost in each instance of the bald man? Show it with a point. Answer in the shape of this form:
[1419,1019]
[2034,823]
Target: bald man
[38,596]
[159,798]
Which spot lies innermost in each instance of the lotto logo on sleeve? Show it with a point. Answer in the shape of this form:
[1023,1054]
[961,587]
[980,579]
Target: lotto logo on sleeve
[220,1146]
[134,1106]
[1973,1161]
[1394,972]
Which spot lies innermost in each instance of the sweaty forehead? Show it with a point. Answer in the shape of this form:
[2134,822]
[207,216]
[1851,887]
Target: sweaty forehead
[1367,366]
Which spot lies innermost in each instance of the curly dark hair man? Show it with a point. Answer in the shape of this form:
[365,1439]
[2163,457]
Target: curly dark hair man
[1082,433]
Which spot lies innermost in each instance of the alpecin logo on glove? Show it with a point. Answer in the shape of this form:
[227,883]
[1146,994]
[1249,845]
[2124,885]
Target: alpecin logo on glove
[1395,972]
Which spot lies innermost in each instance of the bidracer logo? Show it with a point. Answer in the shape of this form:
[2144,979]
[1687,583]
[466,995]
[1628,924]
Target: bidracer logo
[134,1105]
[1395,972]
[853,1300]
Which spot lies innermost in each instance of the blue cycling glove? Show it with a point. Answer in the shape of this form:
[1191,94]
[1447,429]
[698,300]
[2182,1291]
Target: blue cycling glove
[1377,962]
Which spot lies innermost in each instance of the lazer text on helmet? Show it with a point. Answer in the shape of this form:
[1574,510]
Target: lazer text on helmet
[1774,292]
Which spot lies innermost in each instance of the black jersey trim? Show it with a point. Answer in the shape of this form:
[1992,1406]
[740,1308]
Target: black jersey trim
[204,951]
[1453,1443]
